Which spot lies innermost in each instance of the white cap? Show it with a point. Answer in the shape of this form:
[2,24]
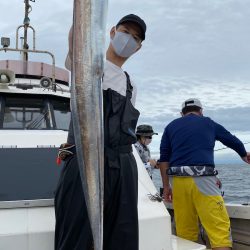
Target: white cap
[191,102]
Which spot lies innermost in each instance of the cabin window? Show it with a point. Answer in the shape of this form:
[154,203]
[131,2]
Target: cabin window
[34,112]
[24,113]
[61,113]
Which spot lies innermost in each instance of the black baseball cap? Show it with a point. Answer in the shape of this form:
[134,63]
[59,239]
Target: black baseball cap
[135,19]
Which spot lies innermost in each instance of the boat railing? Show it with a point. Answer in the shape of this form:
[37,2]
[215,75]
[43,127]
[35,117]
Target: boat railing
[5,49]
[34,36]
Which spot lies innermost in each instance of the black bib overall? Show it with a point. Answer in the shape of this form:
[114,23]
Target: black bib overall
[120,184]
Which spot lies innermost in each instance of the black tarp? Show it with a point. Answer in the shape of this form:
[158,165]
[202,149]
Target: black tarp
[28,173]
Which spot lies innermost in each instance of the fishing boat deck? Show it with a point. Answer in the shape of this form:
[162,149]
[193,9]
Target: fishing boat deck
[181,244]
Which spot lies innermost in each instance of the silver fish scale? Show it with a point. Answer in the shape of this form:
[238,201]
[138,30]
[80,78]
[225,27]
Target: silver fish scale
[86,103]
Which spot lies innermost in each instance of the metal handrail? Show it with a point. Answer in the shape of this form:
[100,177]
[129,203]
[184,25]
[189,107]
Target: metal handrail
[37,51]
[34,35]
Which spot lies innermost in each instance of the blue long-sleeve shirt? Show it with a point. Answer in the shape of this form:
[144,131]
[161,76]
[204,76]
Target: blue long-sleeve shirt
[190,140]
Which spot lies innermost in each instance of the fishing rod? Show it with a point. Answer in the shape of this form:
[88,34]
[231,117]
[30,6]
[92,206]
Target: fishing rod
[228,147]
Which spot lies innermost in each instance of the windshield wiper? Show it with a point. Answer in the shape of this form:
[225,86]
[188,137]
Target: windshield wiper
[37,122]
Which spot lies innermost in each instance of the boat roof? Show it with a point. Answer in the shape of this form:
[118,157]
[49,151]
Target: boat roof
[35,69]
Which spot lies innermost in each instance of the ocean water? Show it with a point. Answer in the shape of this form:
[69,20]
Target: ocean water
[235,182]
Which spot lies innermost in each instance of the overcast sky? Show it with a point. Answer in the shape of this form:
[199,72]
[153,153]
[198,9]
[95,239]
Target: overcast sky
[193,48]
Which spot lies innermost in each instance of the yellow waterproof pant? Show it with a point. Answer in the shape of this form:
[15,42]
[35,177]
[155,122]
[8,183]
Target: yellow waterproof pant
[198,198]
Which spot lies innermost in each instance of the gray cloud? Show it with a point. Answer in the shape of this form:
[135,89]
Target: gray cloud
[225,102]
[199,38]
[51,20]
[205,38]
[234,119]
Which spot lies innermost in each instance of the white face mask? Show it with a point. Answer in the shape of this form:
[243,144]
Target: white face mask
[124,44]
[147,141]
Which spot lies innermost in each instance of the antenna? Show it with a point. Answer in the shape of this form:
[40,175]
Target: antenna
[26,23]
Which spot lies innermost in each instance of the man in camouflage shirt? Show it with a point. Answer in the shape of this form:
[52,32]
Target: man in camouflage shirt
[144,135]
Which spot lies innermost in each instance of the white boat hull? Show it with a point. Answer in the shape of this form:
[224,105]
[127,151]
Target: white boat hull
[32,228]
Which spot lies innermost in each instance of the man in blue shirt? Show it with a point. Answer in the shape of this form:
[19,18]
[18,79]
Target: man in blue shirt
[187,161]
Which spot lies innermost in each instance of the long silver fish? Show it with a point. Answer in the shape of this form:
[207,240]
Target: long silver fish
[87,68]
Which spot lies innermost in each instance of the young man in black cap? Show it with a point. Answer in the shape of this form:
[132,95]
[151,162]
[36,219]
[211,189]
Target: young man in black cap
[120,169]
